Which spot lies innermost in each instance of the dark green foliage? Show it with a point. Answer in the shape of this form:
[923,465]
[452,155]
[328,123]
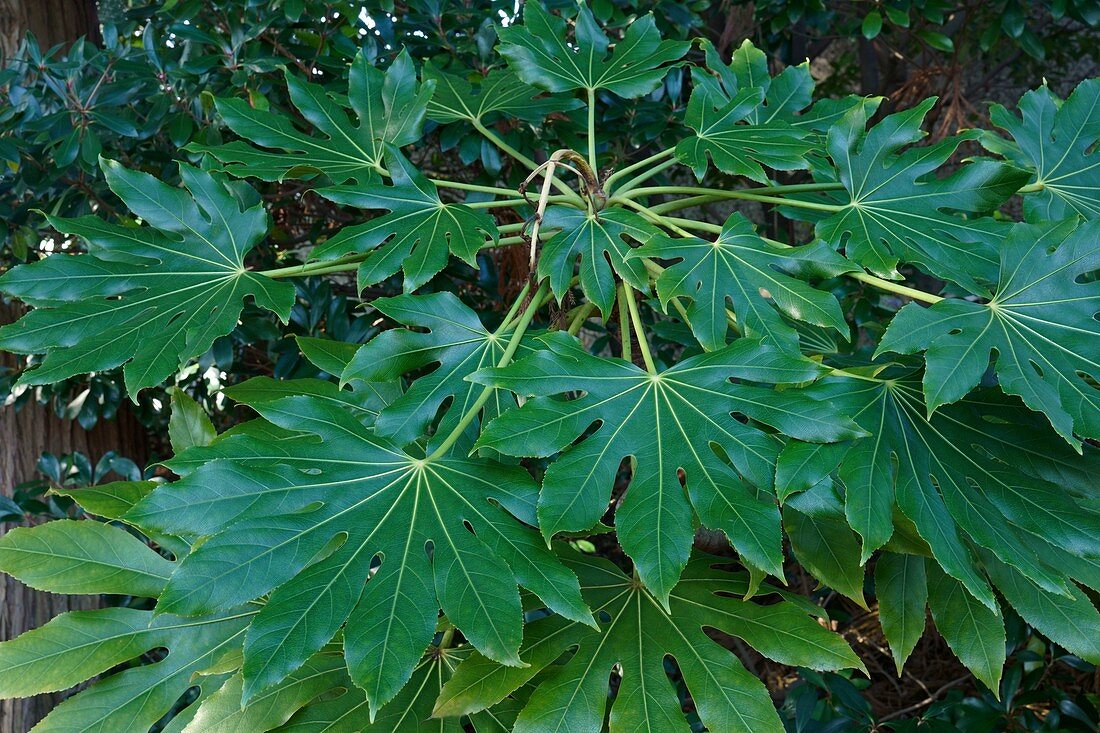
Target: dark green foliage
[399,532]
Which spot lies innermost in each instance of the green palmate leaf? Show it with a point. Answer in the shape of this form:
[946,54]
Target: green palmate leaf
[109,501]
[892,211]
[223,711]
[454,338]
[1072,622]
[901,586]
[734,147]
[410,711]
[666,423]
[950,478]
[329,355]
[759,279]
[974,632]
[1040,322]
[69,556]
[801,466]
[204,684]
[189,424]
[148,297]
[743,119]
[601,241]
[76,646]
[389,108]
[1055,140]
[787,96]
[541,53]
[499,92]
[638,634]
[417,235]
[362,557]
[822,542]
[364,404]
[310,524]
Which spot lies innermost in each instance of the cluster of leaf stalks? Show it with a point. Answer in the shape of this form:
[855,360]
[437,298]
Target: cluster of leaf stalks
[401,546]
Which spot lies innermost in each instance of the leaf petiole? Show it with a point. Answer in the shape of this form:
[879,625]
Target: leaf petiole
[677,225]
[624,326]
[639,330]
[624,172]
[592,130]
[579,317]
[322,267]
[523,159]
[743,194]
[513,203]
[505,359]
[645,176]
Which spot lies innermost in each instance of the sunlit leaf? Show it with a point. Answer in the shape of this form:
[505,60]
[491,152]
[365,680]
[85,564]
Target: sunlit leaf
[152,297]
[636,638]
[665,423]
[542,54]
[308,527]
[389,108]
[1041,323]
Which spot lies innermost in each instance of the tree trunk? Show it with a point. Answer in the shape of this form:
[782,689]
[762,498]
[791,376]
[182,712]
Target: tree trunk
[24,436]
[51,22]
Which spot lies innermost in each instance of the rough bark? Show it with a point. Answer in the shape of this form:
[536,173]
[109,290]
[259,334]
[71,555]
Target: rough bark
[51,21]
[24,435]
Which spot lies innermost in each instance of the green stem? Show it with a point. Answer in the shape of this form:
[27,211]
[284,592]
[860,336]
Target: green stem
[636,319]
[459,185]
[635,166]
[877,282]
[582,314]
[681,310]
[675,224]
[744,194]
[702,226]
[524,160]
[512,203]
[655,218]
[799,188]
[500,143]
[796,203]
[687,203]
[624,325]
[505,359]
[323,267]
[643,177]
[853,375]
[507,320]
[592,131]
[655,270]
[892,287]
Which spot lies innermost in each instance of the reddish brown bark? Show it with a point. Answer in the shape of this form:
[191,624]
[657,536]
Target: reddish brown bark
[51,21]
[24,435]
